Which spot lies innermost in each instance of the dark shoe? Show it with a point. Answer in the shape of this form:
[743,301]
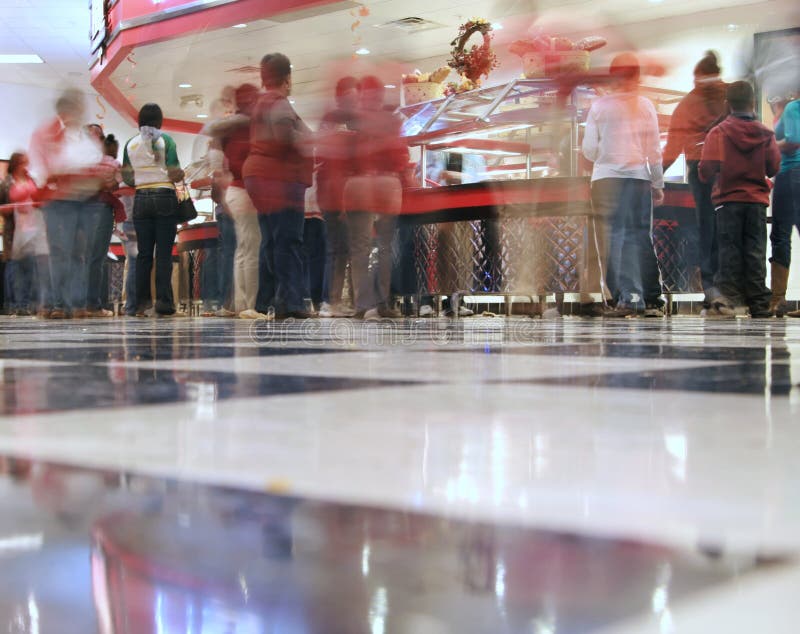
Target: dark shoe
[654,310]
[299,314]
[602,310]
[761,313]
[389,313]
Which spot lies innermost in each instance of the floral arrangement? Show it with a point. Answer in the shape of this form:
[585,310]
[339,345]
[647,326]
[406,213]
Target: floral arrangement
[479,60]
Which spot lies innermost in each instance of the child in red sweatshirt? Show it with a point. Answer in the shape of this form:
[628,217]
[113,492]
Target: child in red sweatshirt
[742,153]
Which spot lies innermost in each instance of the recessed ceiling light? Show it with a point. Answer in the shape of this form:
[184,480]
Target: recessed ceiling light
[362,51]
[655,1]
[291,100]
[202,116]
[389,86]
[497,26]
[733,27]
[184,85]
[20,59]
[239,26]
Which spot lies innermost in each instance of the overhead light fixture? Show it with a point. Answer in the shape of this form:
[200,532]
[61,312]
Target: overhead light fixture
[362,51]
[389,86]
[655,1]
[20,59]
[291,101]
[239,26]
[202,116]
[497,26]
[184,85]
[733,27]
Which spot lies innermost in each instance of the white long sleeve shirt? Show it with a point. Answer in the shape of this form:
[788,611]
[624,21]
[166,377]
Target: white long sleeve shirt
[622,139]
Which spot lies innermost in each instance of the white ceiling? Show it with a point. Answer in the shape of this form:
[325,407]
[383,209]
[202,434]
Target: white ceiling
[56,30]
[321,47]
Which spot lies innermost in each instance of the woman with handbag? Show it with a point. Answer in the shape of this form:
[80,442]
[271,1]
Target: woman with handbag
[150,164]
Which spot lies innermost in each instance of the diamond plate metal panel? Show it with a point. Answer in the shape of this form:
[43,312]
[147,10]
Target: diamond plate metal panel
[671,250]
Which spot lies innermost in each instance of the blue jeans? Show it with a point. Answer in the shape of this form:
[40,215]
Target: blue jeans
[785,215]
[131,253]
[98,250]
[226,253]
[742,273]
[315,252]
[626,205]
[706,230]
[69,223]
[266,268]
[283,232]
[31,282]
[337,254]
[156,227]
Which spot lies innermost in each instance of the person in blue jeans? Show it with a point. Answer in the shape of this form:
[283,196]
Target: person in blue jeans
[150,164]
[622,140]
[276,175]
[785,198]
[63,155]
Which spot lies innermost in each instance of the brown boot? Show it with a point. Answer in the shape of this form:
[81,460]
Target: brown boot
[780,278]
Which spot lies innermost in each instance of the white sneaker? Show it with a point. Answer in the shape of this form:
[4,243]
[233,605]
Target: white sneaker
[463,311]
[340,310]
[252,314]
[224,312]
[426,310]
[325,310]
[372,315]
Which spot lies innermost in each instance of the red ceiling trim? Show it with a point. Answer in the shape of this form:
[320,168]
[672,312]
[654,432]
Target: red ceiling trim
[127,40]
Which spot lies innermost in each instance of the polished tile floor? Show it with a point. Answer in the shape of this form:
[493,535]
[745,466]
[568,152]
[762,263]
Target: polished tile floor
[419,476]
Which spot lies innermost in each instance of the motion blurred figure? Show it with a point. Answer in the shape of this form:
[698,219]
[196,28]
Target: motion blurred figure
[622,141]
[233,135]
[698,112]
[373,198]
[335,152]
[64,159]
[277,173]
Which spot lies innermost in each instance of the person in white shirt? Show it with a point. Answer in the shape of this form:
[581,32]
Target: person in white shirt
[622,140]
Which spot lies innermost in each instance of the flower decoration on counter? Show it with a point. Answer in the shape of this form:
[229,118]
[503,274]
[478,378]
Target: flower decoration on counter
[546,56]
[479,60]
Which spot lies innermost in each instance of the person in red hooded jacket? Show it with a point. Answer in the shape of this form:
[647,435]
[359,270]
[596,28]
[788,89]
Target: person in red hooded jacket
[741,154]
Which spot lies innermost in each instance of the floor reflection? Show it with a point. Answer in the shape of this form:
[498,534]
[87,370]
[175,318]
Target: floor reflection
[99,551]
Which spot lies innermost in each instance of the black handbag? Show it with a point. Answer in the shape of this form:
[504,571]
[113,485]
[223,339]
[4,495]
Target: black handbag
[185,210]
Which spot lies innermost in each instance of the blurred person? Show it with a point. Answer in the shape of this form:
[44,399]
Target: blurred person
[622,140]
[64,159]
[699,111]
[450,168]
[233,134]
[785,198]
[111,210]
[314,253]
[335,153]
[29,247]
[150,164]
[738,156]
[7,220]
[126,232]
[277,173]
[373,198]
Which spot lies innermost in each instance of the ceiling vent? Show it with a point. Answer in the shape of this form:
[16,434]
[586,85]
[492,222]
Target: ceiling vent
[411,24]
[249,69]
